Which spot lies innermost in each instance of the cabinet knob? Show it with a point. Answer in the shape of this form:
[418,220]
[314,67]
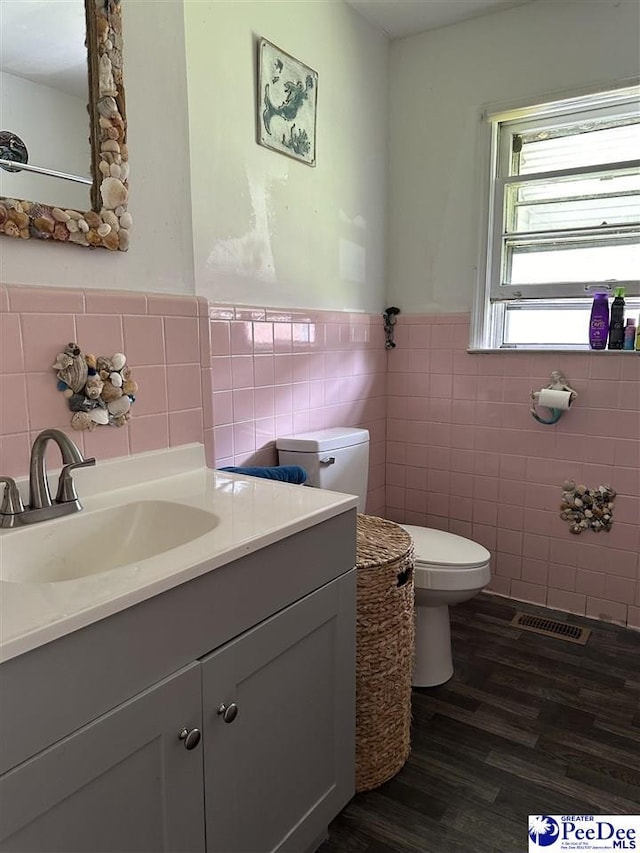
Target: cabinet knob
[228,712]
[191,737]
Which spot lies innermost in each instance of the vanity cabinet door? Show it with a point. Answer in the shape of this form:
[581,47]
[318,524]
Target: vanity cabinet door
[279,770]
[124,782]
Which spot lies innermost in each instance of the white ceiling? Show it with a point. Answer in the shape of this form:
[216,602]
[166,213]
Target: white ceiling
[43,41]
[398,18]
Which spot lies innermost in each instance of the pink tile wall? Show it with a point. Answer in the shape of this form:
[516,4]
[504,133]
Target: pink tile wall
[465,455]
[160,336]
[278,372]
[235,376]
[453,444]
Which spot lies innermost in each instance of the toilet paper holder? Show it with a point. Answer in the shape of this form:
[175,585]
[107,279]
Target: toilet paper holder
[557,397]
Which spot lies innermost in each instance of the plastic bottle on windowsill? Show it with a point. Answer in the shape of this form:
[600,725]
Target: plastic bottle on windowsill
[599,322]
[630,333]
[616,324]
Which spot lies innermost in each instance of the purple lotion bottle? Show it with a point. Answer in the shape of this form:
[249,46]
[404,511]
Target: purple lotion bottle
[599,322]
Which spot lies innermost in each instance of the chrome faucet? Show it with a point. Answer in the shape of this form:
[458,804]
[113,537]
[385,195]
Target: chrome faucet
[41,507]
[11,507]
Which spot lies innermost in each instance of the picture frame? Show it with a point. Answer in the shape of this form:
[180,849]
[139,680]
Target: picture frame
[287,104]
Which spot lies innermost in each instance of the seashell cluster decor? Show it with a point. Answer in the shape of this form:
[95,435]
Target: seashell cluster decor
[107,224]
[99,390]
[587,509]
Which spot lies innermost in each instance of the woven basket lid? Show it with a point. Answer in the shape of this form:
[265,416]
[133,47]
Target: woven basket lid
[380,542]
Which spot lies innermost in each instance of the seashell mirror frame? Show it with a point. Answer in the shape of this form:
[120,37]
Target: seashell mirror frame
[108,222]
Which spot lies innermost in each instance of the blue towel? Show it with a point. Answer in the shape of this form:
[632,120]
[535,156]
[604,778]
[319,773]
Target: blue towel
[286,473]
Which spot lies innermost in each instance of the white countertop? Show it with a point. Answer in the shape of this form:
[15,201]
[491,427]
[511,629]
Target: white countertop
[252,513]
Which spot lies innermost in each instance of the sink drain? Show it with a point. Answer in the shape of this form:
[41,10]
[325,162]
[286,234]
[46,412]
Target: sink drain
[551,628]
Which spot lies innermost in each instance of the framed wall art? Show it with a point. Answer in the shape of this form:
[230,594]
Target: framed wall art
[287,98]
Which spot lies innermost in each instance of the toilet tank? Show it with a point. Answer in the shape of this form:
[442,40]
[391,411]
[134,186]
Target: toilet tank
[335,459]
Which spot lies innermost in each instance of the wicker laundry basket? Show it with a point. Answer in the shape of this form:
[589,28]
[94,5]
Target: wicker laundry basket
[384,649]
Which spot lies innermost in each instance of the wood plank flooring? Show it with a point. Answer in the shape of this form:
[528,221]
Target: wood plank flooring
[527,725]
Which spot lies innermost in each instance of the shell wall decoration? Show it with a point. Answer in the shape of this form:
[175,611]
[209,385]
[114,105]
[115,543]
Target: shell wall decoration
[99,390]
[587,509]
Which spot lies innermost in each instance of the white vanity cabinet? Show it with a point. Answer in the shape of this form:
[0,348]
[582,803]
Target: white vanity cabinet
[90,724]
[281,768]
[123,782]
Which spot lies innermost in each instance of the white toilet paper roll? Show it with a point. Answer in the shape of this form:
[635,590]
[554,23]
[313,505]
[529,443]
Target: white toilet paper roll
[555,399]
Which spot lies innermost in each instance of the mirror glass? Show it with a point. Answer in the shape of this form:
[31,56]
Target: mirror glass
[64,160]
[44,92]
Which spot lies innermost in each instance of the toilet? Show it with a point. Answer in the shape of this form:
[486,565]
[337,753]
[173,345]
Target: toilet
[449,569]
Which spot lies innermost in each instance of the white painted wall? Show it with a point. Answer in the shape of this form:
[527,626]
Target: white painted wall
[160,257]
[55,128]
[438,83]
[269,230]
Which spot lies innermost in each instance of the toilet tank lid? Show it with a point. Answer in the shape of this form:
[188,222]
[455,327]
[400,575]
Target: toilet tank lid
[436,547]
[323,439]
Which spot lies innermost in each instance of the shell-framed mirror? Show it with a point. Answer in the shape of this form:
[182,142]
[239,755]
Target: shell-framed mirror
[64,163]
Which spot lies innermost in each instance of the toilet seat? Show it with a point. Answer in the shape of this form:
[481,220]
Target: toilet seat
[446,561]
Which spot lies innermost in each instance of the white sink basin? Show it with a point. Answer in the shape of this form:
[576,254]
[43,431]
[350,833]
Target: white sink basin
[88,543]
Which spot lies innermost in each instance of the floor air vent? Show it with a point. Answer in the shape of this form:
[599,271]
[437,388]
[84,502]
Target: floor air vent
[551,628]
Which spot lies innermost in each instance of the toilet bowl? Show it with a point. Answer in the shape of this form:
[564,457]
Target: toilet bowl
[449,569]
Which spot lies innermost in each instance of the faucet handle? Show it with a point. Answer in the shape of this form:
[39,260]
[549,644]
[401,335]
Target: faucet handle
[11,505]
[66,486]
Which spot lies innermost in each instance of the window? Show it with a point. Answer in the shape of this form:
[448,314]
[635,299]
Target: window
[563,219]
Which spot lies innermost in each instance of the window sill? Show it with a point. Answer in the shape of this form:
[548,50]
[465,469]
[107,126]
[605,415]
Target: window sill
[561,350]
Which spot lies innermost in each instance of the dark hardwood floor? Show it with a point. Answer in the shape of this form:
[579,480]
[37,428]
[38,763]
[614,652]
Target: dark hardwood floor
[527,725]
